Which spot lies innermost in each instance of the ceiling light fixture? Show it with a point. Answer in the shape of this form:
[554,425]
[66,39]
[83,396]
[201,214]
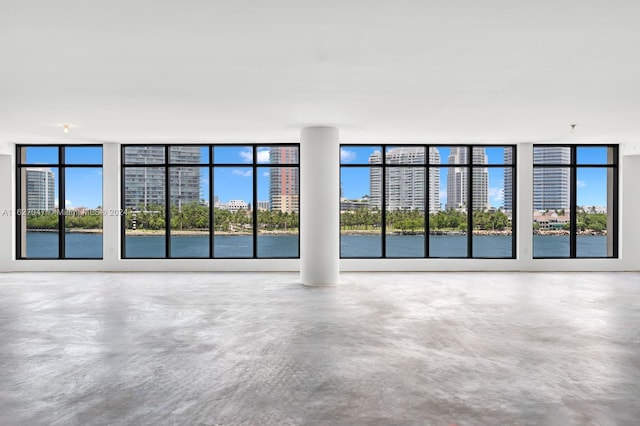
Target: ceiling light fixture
[65,128]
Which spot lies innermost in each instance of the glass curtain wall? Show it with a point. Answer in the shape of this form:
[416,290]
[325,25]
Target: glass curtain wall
[426,191]
[213,201]
[575,201]
[59,199]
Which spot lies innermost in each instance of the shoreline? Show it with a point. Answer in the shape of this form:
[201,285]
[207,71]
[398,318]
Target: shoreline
[139,232]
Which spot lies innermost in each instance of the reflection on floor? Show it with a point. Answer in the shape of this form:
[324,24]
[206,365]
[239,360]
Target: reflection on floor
[260,349]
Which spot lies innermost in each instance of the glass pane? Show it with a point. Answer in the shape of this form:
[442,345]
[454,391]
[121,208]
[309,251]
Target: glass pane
[493,155]
[434,155]
[189,154]
[39,214]
[144,194]
[551,155]
[551,220]
[595,155]
[448,227]
[233,154]
[508,191]
[405,203]
[405,155]
[360,218]
[593,215]
[278,217]
[144,187]
[278,155]
[144,154]
[232,216]
[492,232]
[83,212]
[83,155]
[551,188]
[188,189]
[453,154]
[39,155]
[358,154]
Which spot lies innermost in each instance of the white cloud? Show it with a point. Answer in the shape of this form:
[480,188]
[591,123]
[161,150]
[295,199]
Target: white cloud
[347,156]
[581,184]
[443,196]
[247,156]
[263,156]
[496,194]
[67,203]
[243,173]
[265,174]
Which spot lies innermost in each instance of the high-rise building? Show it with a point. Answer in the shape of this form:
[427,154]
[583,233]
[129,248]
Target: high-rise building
[551,184]
[284,191]
[145,186]
[405,186]
[375,181]
[458,180]
[40,189]
[508,180]
[434,181]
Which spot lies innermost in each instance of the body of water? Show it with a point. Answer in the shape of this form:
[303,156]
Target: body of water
[78,245]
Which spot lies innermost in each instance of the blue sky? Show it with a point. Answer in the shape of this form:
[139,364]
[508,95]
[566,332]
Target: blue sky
[234,180]
[591,182]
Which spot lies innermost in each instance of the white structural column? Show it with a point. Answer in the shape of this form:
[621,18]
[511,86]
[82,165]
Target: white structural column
[111,203]
[319,206]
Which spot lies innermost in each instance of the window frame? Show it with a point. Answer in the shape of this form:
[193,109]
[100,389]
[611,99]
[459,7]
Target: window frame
[61,165]
[573,167]
[167,165]
[427,166]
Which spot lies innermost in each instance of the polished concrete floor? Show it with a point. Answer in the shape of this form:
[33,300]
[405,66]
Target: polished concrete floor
[260,349]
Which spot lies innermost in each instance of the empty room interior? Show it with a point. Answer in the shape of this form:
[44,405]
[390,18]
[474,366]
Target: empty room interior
[319,213]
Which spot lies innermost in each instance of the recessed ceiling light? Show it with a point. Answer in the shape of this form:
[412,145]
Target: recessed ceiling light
[65,127]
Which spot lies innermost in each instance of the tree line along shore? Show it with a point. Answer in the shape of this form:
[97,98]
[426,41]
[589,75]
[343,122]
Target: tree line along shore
[193,219]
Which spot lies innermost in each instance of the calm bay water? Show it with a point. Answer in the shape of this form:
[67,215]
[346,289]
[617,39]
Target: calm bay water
[78,245]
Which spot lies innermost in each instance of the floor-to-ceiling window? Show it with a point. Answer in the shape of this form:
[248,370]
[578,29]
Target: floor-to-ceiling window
[59,200]
[412,201]
[210,201]
[575,199]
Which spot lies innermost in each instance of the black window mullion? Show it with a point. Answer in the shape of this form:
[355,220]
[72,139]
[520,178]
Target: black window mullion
[123,218]
[573,226]
[167,203]
[427,201]
[61,203]
[513,203]
[19,170]
[469,203]
[211,205]
[254,213]
[614,220]
[383,202]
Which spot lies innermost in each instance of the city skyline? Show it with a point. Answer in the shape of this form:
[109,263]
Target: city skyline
[493,178]
[81,183]
[591,182]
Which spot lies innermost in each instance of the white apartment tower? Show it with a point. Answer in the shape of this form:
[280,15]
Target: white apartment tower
[405,186]
[508,180]
[40,189]
[551,184]
[145,185]
[458,180]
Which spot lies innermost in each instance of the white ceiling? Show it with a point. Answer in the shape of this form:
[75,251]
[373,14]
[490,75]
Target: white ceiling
[259,70]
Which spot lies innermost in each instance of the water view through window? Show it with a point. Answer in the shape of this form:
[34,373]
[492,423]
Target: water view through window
[59,195]
[212,201]
[575,201]
[413,201]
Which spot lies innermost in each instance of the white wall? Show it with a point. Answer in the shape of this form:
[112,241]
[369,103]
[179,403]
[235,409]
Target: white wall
[629,233]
